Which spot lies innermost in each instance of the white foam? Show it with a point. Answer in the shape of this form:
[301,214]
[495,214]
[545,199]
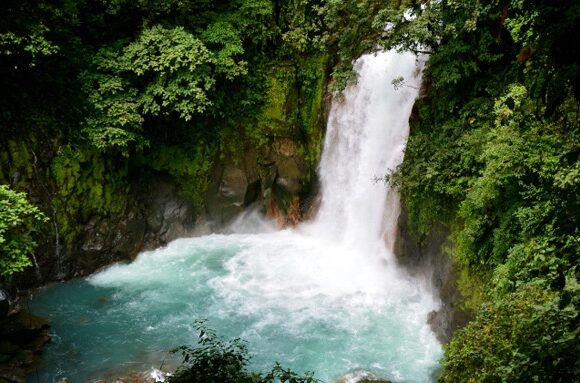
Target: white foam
[337,270]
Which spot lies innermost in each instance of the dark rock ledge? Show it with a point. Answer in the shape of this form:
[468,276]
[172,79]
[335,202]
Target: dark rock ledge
[22,338]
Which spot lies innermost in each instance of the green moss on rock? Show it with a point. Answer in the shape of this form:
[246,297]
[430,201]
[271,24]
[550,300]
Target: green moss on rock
[87,185]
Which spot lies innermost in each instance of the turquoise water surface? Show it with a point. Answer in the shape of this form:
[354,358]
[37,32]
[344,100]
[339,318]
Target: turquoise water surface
[308,304]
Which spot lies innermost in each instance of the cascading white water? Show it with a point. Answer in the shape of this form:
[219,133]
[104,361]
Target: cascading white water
[365,139]
[326,296]
[366,135]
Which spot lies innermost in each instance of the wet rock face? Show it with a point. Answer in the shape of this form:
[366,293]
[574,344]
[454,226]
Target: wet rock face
[159,216]
[289,176]
[430,260]
[235,185]
[156,216]
[285,194]
[166,214]
[105,241]
[275,179]
[291,168]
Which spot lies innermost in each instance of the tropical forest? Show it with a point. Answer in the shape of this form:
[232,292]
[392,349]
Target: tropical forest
[289,191]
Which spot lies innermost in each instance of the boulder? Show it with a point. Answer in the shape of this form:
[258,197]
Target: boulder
[23,328]
[22,338]
[289,176]
[362,377]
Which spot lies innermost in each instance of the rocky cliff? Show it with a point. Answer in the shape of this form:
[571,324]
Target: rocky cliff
[430,259]
[106,209]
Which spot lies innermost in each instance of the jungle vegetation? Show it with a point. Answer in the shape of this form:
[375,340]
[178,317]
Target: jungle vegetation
[494,156]
[115,85]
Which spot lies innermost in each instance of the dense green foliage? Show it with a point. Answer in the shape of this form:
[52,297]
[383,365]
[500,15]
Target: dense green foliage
[494,154]
[164,72]
[216,360]
[18,222]
[97,95]
[526,337]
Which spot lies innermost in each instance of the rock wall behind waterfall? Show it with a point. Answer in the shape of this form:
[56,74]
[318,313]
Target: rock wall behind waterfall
[277,172]
[105,209]
[430,259]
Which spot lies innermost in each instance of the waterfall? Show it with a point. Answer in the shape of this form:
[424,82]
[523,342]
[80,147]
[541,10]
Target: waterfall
[366,135]
[326,296]
[57,256]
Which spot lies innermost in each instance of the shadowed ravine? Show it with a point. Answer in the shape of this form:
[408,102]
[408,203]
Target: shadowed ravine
[326,296]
